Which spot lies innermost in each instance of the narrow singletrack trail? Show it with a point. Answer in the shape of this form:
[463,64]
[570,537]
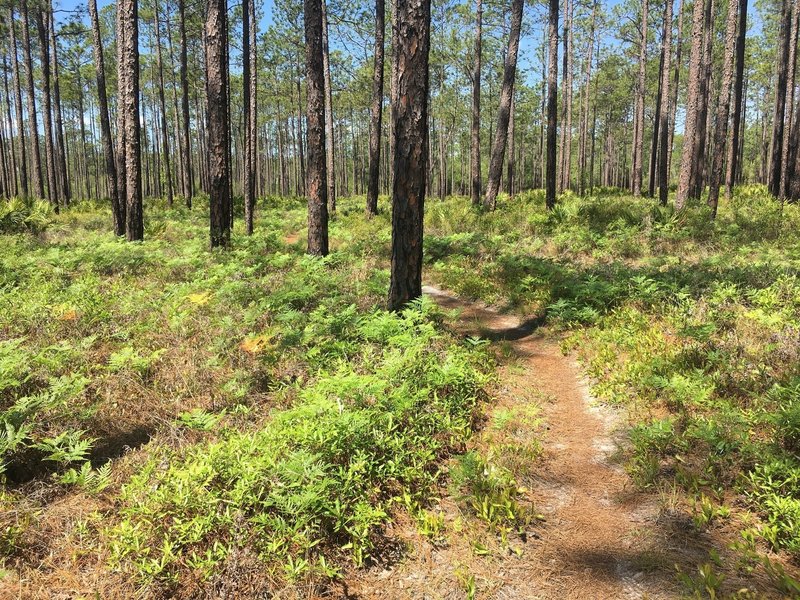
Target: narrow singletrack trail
[600,537]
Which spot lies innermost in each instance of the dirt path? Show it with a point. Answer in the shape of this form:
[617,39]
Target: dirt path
[600,538]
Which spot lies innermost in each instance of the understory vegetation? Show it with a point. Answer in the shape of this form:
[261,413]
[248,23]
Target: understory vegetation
[200,414]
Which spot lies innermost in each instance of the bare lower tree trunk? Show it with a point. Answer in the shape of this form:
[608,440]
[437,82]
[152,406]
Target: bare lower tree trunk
[653,171]
[117,209]
[504,110]
[38,181]
[217,98]
[733,157]
[61,156]
[329,157]
[776,144]
[723,110]
[510,164]
[44,50]
[410,130]
[688,153]
[704,125]
[673,109]
[163,103]
[584,126]
[188,180]
[12,184]
[23,173]
[129,96]
[475,131]
[552,105]
[376,112]
[638,128]
[789,134]
[665,126]
[250,95]
[316,173]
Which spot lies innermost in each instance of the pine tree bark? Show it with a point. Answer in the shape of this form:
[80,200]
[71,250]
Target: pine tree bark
[564,148]
[23,163]
[704,125]
[504,109]
[316,168]
[61,156]
[188,179]
[376,112]
[789,134]
[329,156]
[410,131]
[688,152]
[723,109]
[654,146]
[638,128]
[552,105]
[776,143]
[250,95]
[665,125]
[129,96]
[12,182]
[475,130]
[49,151]
[38,180]
[163,105]
[217,98]
[510,163]
[584,125]
[117,209]
[733,157]
[673,109]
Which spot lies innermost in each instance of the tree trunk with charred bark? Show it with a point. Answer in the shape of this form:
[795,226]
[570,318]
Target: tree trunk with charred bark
[638,127]
[733,157]
[410,131]
[688,153]
[723,110]
[117,209]
[23,174]
[376,111]
[36,157]
[129,99]
[552,105]
[316,169]
[504,110]
[665,125]
[475,131]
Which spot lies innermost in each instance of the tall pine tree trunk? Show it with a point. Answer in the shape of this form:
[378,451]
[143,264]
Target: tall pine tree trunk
[504,110]
[376,111]
[38,180]
[665,126]
[61,156]
[316,173]
[23,172]
[330,166]
[117,209]
[584,126]
[475,128]
[552,105]
[217,98]
[776,143]
[738,96]
[410,131]
[638,127]
[723,110]
[188,179]
[789,134]
[250,95]
[688,152]
[49,151]
[163,105]
[129,96]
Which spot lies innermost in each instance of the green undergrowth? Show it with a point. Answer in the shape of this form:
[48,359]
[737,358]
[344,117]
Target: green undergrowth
[694,325]
[278,410]
[318,480]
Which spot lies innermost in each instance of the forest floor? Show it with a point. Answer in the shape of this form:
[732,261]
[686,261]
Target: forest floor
[596,535]
[604,403]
